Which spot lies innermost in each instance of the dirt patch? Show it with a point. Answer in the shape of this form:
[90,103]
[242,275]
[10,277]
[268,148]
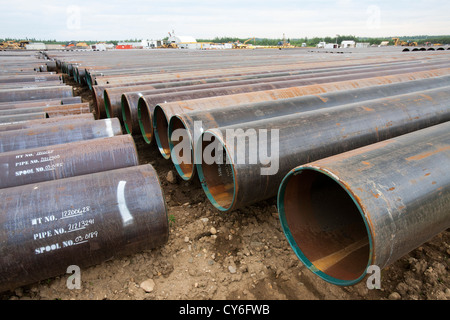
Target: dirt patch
[238,255]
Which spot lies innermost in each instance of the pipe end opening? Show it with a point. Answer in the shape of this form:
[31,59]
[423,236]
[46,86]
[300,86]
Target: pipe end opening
[161,127]
[181,148]
[216,172]
[145,121]
[325,226]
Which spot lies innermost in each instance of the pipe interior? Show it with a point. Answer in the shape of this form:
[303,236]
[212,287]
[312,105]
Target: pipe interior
[145,121]
[161,129]
[217,178]
[96,106]
[107,104]
[185,162]
[126,115]
[326,225]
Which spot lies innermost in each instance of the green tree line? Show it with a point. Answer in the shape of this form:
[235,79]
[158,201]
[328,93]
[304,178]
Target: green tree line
[312,42]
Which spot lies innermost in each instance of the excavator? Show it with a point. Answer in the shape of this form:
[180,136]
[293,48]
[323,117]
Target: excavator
[238,45]
[404,43]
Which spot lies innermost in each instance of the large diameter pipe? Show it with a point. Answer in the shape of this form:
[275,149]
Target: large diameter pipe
[52,111]
[192,124]
[161,118]
[58,134]
[113,102]
[112,98]
[245,163]
[66,160]
[237,71]
[98,91]
[36,93]
[51,66]
[17,125]
[129,100]
[130,120]
[82,221]
[28,85]
[369,206]
[31,78]
[39,103]
[146,76]
[155,120]
[22,117]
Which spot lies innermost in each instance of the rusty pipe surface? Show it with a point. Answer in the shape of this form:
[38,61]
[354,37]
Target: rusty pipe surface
[237,174]
[62,91]
[114,103]
[39,103]
[40,77]
[24,124]
[98,90]
[85,220]
[236,71]
[52,111]
[191,124]
[369,206]
[28,85]
[129,103]
[123,100]
[162,112]
[58,134]
[66,160]
[67,110]
[161,76]
[22,117]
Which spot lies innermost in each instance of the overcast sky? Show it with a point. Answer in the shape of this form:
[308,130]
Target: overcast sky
[120,19]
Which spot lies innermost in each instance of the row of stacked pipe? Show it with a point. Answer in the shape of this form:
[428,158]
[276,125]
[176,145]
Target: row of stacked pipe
[355,146]
[71,188]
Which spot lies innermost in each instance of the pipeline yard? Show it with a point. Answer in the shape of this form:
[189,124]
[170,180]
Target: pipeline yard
[293,174]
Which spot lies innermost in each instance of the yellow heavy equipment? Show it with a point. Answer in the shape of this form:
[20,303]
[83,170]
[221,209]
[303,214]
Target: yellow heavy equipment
[82,45]
[404,43]
[170,45]
[10,45]
[285,43]
[244,45]
[14,45]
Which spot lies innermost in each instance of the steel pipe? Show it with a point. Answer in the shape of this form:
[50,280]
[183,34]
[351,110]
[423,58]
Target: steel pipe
[51,65]
[238,174]
[218,69]
[36,93]
[22,117]
[28,85]
[61,161]
[98,91]
[25,124]
[129,102]
[191,124]
[83,221]
[369,206]
[161,113]
[124,100]
[58,134]
[41,77]
[52,111]
[37,103]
